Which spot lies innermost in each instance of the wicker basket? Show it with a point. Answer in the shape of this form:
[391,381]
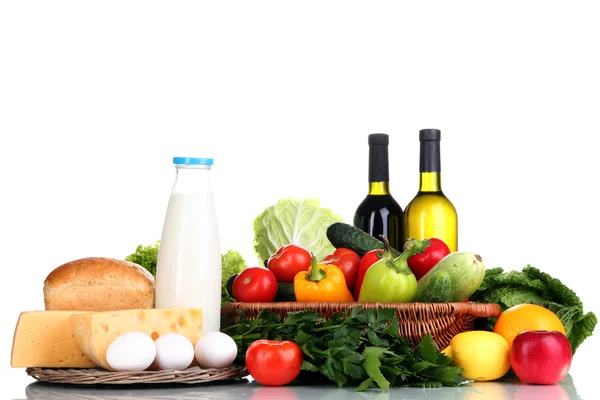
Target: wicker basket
[98,376]
[441,320]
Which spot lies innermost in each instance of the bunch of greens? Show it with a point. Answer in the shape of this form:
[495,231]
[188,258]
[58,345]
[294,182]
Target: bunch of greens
[299,221]
[146,256]
[535,287]
[356,347]
[232,263]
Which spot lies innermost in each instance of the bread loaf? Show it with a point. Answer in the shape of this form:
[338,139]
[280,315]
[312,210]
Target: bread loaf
[99,284]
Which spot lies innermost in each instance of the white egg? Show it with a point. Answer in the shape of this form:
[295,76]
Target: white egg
[174,351]
[131,351]
[215,350]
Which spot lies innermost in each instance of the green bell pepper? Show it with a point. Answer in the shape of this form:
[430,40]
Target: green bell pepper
[390,280]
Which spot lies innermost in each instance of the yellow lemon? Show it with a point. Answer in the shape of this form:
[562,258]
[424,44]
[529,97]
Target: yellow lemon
[483,355]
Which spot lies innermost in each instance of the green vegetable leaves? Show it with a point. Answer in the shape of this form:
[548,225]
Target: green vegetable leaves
[232,263]
[535,287]
[146,256]
[359,347]
[302,222]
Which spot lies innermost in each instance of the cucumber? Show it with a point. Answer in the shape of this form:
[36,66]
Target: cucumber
[285,292]
[439,289]
[350,237]
[466,271]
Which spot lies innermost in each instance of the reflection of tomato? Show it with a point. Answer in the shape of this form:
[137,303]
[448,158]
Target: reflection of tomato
[288,260]
[255,284]
[537,392]
[274,362]
[347,260]
[274,393]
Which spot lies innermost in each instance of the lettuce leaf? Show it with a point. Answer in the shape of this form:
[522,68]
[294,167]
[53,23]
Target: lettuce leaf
[300,221]
[535,287]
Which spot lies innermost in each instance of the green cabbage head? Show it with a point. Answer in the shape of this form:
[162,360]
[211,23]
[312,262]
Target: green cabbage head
[299,221]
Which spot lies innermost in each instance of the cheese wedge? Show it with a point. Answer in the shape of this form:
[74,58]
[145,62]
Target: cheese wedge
[94,332]
[45,339]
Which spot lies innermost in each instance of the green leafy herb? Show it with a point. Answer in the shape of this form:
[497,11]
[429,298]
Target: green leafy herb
[146,256]
[535,287]
[232,263]
[358,347]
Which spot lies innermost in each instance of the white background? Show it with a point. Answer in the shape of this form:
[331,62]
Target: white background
[97,97]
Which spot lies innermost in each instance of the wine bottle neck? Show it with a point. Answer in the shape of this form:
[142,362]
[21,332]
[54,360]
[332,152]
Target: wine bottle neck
[378,163]
[379,188]
[429,160]
[430,166]
[430,182]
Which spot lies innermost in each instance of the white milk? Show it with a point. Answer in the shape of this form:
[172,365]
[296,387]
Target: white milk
[188,272]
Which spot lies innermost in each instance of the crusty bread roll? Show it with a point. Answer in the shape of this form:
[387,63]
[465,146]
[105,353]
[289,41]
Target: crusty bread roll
[99,284]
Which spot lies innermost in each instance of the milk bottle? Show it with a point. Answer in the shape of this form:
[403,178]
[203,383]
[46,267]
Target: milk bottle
[188,271]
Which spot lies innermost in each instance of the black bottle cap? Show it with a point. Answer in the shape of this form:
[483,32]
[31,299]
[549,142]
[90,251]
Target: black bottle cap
[382,139]
[378,157]
[429,134]
[430,150]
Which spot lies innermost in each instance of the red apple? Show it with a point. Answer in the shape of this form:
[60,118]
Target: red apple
[541,357]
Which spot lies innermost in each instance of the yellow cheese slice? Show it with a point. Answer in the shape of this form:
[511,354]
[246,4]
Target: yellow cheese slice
[94,332]
[45,339]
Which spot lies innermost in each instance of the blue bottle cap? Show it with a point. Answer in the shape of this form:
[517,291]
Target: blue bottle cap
[192,161]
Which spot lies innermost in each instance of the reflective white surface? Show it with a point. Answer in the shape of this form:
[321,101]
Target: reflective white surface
[248,389]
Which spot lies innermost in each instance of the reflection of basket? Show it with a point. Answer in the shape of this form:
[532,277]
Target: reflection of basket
[441,320]
[94,376]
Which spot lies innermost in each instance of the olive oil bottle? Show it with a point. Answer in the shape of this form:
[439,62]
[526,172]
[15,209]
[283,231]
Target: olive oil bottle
[379,213]
[430,214]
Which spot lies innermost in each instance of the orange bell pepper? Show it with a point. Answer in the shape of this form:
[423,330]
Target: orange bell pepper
[322,282]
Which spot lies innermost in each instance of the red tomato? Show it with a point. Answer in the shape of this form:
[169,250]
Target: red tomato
[370,258]
[255,284]
[288,261]
[274,362]
[421,263]
[348,261]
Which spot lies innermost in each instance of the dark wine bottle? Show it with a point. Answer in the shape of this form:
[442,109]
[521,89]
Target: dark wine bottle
[379,213]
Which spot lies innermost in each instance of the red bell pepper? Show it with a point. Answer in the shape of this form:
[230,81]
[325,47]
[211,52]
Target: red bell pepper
[348,261]
[370,258]
[421,263]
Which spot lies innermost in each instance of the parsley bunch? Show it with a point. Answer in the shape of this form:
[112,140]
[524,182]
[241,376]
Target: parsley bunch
[356,347]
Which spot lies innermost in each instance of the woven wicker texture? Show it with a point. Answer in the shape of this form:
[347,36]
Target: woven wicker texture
[441,320]
[95,376]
